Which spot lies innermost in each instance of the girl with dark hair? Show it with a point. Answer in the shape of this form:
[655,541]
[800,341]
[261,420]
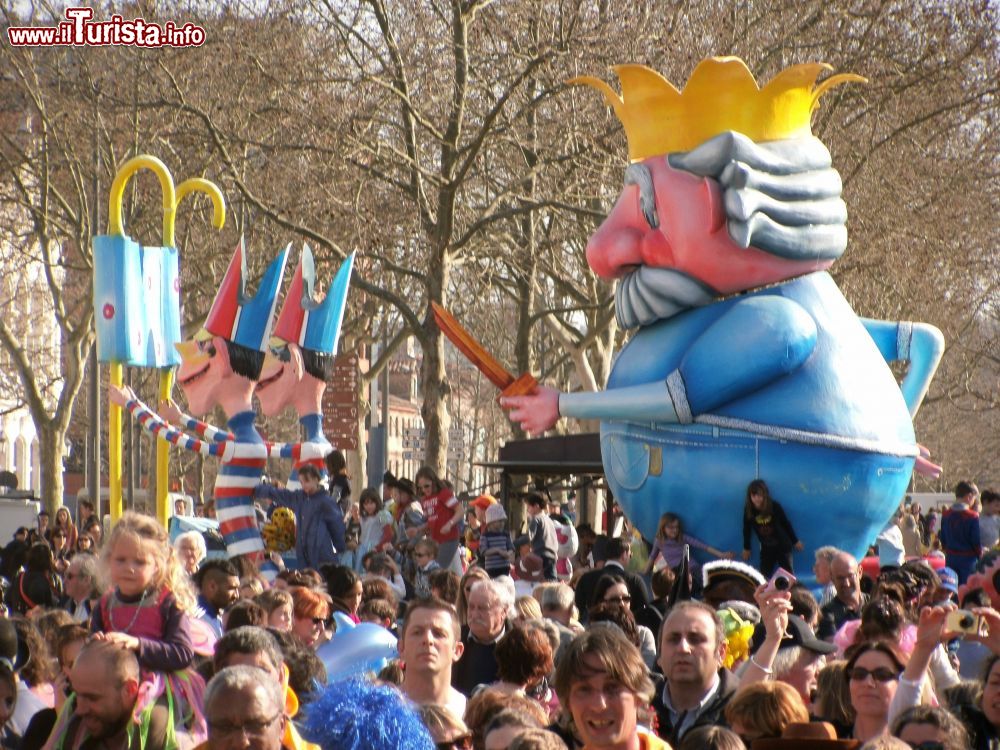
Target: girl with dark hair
[61,551]
[64,522]
[444,515]
[345,589]
[766,518]
[95,531]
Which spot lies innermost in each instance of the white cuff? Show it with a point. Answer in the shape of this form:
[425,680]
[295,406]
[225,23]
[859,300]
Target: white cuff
[678,395]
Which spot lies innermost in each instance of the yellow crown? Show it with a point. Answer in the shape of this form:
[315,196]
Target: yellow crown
[720,95]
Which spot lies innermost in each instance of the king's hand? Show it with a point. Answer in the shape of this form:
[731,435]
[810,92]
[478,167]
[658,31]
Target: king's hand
[536,412]
[313,451]
[924,466]
[169,411]
[120,395]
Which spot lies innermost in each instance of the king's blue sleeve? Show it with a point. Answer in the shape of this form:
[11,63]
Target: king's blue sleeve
[921,345]
[757,341]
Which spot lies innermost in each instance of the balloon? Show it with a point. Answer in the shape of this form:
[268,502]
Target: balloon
[363,648]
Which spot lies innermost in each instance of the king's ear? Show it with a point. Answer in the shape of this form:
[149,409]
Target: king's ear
[713,197]
[297,361]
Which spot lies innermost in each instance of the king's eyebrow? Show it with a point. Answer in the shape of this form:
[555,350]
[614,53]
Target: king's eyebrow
[639,174]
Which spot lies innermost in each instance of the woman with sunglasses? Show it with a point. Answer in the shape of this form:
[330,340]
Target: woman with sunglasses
[447,730]
[612,592]
[310,611]
[883,682]
[64,523]
[444,516]
[873,671]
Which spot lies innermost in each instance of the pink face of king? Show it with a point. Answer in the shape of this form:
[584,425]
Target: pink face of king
[691,237]
[204,373]
[277,382]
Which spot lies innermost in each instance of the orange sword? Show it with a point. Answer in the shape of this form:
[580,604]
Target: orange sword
[475,353]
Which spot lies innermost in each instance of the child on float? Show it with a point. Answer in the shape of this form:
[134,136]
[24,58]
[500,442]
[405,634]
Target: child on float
[763,515]
[495,546]
[377,529]
[146,612]
[669,544]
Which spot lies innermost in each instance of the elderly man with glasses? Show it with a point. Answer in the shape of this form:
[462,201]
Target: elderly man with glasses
[244,711]
[487,618]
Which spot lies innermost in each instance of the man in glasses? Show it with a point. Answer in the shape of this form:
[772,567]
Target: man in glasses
[243,711]
[847,604]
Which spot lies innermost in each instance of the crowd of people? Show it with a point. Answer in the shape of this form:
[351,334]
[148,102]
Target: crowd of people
[557,637]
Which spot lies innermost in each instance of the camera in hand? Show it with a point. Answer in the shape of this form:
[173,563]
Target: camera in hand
[964,621]
[781,580]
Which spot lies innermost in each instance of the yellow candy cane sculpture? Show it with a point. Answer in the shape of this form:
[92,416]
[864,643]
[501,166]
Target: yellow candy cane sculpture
[137,306]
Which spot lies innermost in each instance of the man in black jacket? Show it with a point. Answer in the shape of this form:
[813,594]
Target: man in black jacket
[487,617]
[848,602]
[697,687]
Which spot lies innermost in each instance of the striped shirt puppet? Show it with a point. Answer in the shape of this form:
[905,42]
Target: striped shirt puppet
[243,454]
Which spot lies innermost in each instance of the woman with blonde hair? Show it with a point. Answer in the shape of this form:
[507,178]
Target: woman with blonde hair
[527,608]
[764,709]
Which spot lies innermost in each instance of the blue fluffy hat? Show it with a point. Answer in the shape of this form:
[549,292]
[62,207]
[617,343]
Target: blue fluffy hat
[355,714]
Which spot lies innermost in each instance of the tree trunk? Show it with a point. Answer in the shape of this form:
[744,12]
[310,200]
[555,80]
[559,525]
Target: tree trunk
[50,449]
[435,390]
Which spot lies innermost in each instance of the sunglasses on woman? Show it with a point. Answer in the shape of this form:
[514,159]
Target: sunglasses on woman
[879,674]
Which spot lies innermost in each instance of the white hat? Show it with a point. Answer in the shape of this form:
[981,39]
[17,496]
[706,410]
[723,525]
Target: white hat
[495,513]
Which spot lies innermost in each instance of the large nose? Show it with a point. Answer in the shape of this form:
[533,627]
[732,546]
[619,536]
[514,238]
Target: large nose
[616,246]
[187,349]
[241,739]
